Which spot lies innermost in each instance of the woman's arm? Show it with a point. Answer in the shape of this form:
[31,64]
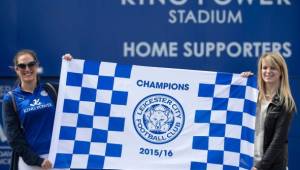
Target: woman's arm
[15,135]
[278,142]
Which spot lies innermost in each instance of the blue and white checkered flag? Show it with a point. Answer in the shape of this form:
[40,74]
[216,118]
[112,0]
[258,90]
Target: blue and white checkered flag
[113,116]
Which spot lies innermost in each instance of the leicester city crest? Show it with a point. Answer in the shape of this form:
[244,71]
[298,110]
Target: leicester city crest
[158,118]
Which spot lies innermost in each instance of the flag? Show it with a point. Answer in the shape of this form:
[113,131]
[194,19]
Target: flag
[116,116]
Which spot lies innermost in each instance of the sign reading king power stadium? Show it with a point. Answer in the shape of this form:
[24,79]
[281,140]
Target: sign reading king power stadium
[216,35]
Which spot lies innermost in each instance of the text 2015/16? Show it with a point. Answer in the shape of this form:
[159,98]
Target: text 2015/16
[156,152]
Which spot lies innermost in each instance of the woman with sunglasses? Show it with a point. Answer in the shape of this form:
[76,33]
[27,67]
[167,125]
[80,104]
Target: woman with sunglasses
[275,108]
[28,115]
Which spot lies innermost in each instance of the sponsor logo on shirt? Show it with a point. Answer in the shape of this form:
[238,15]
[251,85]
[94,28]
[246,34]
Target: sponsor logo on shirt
[36,105]
[36,102]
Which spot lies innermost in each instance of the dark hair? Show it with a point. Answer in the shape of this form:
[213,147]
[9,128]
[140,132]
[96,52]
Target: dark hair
[22,52]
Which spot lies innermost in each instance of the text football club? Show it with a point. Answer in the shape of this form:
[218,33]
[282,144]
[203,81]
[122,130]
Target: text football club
[158,118]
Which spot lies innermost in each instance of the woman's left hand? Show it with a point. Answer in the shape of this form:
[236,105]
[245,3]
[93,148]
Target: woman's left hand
[46,164]
[67,57]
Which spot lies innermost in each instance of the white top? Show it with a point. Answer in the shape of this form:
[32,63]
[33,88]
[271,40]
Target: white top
[259,129]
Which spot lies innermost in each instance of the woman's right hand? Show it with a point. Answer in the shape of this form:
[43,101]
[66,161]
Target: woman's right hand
[246,74]
[46,164]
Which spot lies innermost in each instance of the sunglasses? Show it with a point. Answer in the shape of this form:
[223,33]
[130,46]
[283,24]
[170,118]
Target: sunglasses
[29,65]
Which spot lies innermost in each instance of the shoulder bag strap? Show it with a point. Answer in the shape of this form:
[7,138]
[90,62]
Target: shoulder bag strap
[13,100]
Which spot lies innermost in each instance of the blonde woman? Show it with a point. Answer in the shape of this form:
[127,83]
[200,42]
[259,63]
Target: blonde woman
[275,109]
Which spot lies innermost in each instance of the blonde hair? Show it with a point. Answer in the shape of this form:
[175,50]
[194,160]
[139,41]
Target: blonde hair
[284,90]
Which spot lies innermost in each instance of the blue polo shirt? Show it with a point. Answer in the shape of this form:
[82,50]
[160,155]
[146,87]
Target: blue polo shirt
[36,112]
